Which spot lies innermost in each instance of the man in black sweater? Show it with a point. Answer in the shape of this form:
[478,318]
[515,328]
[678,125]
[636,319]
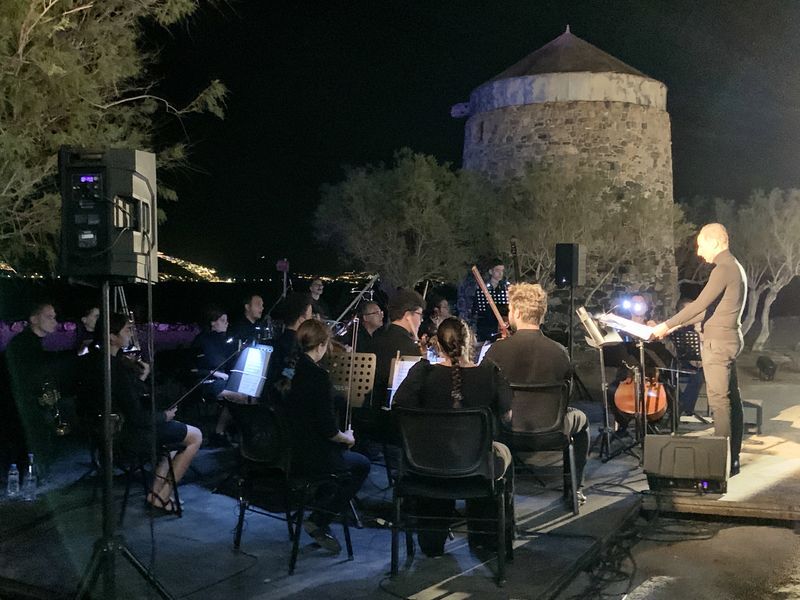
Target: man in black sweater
[530,357]
[718,309]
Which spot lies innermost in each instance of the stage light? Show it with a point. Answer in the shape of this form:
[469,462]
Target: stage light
[626,304]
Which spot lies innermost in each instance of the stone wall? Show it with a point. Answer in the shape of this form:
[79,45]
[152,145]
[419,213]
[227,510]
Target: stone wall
[622,144]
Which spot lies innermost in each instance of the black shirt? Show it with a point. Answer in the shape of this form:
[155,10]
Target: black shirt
[721,302]
[429,386]
[215,351]
[386,346]
[244,331]
[312,418]
[285,353]
[529,356]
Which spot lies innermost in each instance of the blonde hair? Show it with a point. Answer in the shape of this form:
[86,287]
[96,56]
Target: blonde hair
[311,334]
[529,300]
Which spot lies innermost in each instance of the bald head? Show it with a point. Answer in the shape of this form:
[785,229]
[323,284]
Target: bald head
[712,239]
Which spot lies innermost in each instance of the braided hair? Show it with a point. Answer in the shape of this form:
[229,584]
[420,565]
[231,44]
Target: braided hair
[453,337]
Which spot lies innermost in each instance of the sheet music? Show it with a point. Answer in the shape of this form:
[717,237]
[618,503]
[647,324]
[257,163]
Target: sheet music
[253,371]
[639,330]
[400,369]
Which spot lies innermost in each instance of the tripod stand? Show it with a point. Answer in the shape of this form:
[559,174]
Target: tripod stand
[106,547]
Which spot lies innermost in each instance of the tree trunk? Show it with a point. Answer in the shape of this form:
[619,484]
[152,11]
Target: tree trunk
[763,336]
[753,296]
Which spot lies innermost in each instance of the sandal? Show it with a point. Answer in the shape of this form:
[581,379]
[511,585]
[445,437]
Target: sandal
[155,502]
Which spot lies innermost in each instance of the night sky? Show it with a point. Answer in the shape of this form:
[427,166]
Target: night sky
[315,86]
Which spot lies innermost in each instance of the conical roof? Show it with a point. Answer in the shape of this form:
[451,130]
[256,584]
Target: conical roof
[567,54]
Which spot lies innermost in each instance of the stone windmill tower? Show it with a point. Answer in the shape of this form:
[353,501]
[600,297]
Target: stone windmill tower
[578,111]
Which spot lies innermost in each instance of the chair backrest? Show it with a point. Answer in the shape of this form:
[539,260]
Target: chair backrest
[264,437]
[446,443]
[538,408]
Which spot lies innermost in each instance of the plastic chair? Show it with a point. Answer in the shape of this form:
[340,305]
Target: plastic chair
[447,454]
[537,424]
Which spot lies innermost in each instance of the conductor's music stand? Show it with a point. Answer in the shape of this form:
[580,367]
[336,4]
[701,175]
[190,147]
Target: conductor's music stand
[599,338]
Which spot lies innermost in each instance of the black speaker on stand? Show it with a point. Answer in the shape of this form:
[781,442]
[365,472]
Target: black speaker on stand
[571,271]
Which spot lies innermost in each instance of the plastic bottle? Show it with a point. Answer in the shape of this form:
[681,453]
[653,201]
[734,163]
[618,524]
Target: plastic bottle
[29,483]
[12,489]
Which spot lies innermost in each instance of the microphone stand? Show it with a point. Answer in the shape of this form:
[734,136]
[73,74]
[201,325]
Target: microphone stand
[358,297]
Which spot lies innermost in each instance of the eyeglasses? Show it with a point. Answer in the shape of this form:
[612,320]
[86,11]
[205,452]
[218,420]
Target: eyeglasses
[418,313]
[374,312]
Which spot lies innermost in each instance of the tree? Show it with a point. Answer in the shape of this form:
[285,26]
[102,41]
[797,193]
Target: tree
[415,220]
[617,225]
[75,72]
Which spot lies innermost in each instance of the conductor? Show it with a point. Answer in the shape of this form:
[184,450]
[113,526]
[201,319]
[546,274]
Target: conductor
[718,309]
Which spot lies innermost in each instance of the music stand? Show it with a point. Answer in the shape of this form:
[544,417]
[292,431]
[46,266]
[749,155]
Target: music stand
[641,333]
[687,348]
[600,339]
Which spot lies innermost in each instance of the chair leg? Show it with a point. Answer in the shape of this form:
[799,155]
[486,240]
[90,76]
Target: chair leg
[356,516]
[237,536]
[573,475]
[510,514]
[501,538]
[395,532]
[346,526]
[298,526]
[171,475]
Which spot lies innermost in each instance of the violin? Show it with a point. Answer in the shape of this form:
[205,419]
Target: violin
[655,398]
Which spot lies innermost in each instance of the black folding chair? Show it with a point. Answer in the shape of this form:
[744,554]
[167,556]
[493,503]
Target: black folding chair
[537,424]
[447,454]
[266,485]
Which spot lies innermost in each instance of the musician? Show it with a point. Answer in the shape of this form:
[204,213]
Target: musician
[438,310]
[246,329]
[216,354]
[319,308]
[33,371]
[456,382]
[319,446]
[84,333]
[485,321]
[370,326]
[405,312]
[129,395]
[530,357]
[719,308]
[294,310]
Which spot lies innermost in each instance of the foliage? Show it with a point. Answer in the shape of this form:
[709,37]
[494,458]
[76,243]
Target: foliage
[412,221]
[75,72]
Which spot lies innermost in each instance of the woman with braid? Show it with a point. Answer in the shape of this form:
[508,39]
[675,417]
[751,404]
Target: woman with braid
[455,383]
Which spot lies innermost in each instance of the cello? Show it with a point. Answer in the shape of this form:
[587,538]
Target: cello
[655,398]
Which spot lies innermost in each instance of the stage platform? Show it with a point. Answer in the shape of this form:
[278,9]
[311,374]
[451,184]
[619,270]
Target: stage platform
[45,545]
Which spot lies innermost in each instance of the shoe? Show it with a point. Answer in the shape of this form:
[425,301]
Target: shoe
[155,503]
[567,497]
[735,468]
[322,536]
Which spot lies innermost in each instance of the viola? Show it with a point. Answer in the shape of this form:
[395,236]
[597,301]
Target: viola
[655,398]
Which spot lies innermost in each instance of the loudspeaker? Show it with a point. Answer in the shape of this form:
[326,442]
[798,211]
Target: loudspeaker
[687,463]
[570,265]
[108,214]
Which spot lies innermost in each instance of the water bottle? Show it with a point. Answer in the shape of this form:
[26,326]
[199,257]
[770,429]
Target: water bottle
[29,483]
[12,490]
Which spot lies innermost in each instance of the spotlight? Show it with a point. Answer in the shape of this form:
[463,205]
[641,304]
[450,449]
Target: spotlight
[626,304]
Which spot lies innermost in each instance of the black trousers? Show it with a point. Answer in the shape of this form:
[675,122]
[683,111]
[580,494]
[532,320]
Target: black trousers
[722,389]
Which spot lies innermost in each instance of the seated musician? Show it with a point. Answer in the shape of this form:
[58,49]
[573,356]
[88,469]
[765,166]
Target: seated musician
[246,328]
[294,311]
[319,446]
[319,308]
[216,353]
[370,326]
[626,356]
[35,377]
[438,310]
[456,382]
[130,399]
[84,333]
[530,357]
